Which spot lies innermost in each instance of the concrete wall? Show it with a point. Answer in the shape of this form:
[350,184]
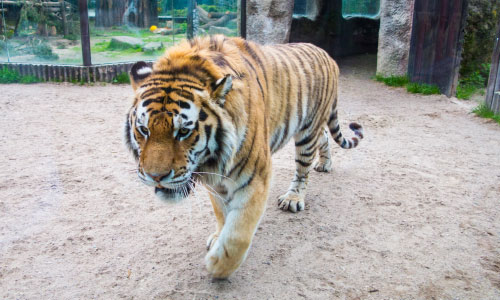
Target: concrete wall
[269,21]
[396,18]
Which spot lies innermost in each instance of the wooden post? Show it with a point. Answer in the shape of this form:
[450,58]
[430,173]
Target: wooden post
[492,98]
[190,9]
[63,17]
[84,29]
[243,19]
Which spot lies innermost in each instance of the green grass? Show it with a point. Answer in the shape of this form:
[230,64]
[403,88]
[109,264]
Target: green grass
[465,91]
[422,88]
[121,78]
[411,87]
[12,76]
[484,112]
[397,81]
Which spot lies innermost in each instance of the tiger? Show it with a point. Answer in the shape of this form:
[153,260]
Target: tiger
[212,110]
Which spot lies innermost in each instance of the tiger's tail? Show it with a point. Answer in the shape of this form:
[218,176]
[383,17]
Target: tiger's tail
[334,127]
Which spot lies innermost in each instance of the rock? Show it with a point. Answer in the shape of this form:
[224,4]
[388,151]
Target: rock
[220,30]
[396,17]
[125,42]
[153,46]
[269,21]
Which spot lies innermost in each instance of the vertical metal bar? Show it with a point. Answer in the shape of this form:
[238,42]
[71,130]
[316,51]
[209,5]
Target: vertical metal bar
[190,8]
[243,18]
[84,29]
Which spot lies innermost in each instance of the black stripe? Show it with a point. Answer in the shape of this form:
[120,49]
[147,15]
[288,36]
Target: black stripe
[299,84]
[202,115]
[335,130]
[249,180]
[287,99]
[308,154]
[256,75]
[304,141]
[256,58]
[165,77]
[304,164]
[183,104]
[333,116]
[154,100]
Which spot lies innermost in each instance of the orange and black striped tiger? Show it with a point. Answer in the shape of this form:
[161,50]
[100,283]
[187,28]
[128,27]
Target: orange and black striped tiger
[214,109]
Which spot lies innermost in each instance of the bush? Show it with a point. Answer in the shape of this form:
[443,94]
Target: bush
[29,79]
[121,78]
[44,51]
[9,76]
[479,35]
[12,76]
[465,91]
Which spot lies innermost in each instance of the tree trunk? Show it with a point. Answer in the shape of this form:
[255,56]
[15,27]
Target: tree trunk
[109,12]
[147,13]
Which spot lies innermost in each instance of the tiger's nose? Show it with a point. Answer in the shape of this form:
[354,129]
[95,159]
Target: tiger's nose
[160,177]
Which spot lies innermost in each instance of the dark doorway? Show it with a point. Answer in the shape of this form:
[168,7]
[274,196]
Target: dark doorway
[321,23]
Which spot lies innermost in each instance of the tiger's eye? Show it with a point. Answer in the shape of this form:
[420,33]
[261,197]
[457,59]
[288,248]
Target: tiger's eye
[184,131]
[143,130]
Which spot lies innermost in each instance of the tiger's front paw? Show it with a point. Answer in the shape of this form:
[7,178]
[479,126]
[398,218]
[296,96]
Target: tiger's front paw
[219,261]
[291,201]
[212,239]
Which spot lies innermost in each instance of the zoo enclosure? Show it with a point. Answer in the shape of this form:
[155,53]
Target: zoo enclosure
[76,40]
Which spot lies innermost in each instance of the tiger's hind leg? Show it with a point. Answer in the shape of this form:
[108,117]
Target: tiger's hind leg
[306,146]
[324,163]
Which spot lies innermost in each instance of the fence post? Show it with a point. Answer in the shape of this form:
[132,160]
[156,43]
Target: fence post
[84,29]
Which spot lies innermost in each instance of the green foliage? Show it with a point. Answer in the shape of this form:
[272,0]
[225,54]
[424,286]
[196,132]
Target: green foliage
[44,51]
[475,81]
[398,81]
[422,88]
[12,76]
[484,112]
[9,76]
[180,12]
[479,35]
[29,79]
[71,37]
[121,78]
[465,91]
[210,8]
[112,45]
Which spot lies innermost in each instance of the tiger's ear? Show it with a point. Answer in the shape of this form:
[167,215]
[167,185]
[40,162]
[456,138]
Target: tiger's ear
[139,72]
[221,87]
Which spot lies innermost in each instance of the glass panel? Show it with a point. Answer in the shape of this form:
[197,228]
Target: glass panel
[123,30]
[36,31]
[132,30]
[216,17]
[361,9]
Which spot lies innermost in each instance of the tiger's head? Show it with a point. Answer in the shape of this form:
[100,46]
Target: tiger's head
[177,127]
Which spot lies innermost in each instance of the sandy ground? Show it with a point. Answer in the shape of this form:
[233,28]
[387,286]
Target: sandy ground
[412,213]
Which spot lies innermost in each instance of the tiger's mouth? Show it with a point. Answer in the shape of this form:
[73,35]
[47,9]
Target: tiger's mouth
[175,194]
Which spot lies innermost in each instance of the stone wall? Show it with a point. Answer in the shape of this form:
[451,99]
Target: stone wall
[396,18]
[269,21]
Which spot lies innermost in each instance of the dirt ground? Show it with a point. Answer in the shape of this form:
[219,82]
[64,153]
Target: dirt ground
[412,213]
